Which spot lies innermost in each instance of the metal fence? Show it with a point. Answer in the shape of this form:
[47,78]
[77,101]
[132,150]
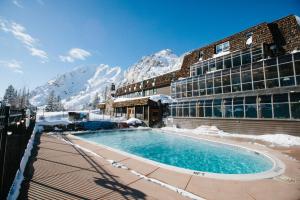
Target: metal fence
[16,126]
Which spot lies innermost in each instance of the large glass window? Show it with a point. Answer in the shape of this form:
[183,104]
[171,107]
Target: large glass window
[295,105]
[285,58]
[189,88]
[228,108]
[186,109]
[265,106]
[281,106]
[179,110]
[219,63]
[246,77]
[173,110]
[217,85]
[200,109]
[236,79]
[246,58]
[258,74]
[270,62]
[212,65]
[208,108]
[217,107]
[297,70]
[202,86]
[195,88]
[236,60]
[193,109]
[183,89]
[238,107]
[250,107]
[209,86]
[271,72]
[205,67]
[286,73]
[257,54]
[227,62]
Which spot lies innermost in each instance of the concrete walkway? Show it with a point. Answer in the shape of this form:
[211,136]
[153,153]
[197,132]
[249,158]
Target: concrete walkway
[61,171]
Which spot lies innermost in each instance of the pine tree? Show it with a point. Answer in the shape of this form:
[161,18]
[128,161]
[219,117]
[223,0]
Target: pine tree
[10,96]
[95,101]
[50,102]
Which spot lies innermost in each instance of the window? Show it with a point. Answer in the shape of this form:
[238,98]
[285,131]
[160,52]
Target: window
[201,109]
[227,61]
[250,107]
[193,109]
[186,109]
[217,108]
[228,107]
[219,63]
[238,107]
[265,106]
[222,47]
[249,39]
[246,58]
[208,108]
[173,110]
[281,106]
[286,73]
[295,104]
[236,60]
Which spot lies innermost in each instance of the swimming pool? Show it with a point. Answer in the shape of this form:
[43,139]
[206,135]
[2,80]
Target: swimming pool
[183,152]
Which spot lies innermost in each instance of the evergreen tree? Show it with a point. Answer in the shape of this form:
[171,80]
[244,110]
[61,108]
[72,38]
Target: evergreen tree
[50,102]
[10,96]
[95,101]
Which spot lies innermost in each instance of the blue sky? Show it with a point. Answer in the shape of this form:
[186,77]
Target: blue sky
[40,39]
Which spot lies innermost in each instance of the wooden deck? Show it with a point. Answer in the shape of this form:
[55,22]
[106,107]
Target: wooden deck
[59,170]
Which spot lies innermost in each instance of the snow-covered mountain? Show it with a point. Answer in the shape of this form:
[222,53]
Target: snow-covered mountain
[156,64]
[78,87]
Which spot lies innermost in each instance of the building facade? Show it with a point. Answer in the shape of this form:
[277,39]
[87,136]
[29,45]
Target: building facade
[243,82]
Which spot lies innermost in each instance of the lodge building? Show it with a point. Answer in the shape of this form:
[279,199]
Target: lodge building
[245,83]
[239,84]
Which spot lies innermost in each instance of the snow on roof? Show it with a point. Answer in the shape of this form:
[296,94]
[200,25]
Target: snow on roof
[163,98]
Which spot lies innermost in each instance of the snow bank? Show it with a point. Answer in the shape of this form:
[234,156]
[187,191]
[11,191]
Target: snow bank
[134,121]
[276,139]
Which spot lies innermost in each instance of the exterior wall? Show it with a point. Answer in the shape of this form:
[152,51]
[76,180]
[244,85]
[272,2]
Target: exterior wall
[287,34]
[164,90]
[241,126]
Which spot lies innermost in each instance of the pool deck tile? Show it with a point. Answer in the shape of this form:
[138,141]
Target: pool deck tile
[140,166]
[179,180]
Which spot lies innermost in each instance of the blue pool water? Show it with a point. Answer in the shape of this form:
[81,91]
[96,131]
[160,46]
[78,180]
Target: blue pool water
[184,152]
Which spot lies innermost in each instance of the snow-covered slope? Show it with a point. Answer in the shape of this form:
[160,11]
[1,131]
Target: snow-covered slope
[78,87]
[156,64]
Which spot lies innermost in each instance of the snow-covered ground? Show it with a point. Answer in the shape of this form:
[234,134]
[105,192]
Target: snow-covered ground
[275,139]
[61,117]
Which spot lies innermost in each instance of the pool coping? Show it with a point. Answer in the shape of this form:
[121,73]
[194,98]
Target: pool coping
[277,169]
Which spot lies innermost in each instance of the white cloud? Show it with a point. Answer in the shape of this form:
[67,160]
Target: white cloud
[12,64]
[75,54]
[19,32]
[17,3]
